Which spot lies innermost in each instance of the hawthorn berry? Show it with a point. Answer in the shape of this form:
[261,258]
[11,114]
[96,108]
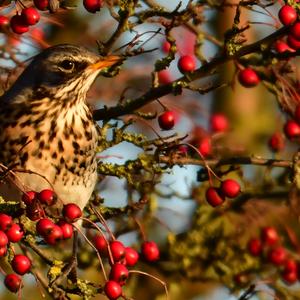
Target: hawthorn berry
[131,256]
[282,47]
[230,188]
[4,22]
[295,30]
[44,227]
[3,251]
[117,250]
[100,244]
[30,16]
[219,122]
[290,265]
[277,256]
[213,197]
[66,228]
[204,146]
[54,236]
[276,142]
[291,129]
[150,251]
[14,233]
[186,63]
[287,15]
[112,289]
[255,246]
[41,4]
[47,197]
[13,282]
[289,277]
[269,236]
[21,264]
[248,78]
[164,77]
[166,46]
[29,197]
[5,222]
[119,273]
[293,42]
[18,24]
[93,6]
[166,120]
[72,212]
[34,211]
[3,239]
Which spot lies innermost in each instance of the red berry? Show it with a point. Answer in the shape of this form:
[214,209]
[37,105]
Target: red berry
[166,120]
[204,146]
[67,229]
[276,142]
[291,129]
[289,277]
[4,22]
[230,188]
[47,197]
[6,222]
[112,290]
[18,24]
[248,78]
[292,42]
[41,4]
[100,244]
[92,6]
[14,233]
[213,197]
[71,212]
[164,77]
[277,256]
[282,47]
[290,266]
[269,236]
[119,273]
[44,227]
[295,31]
[166,46]
[13,282]
[28,197]
[3,239]
[287,15]
[131,256]
[255,247]
[21,264]
[117,250]
[219,122]
[3,251]
[34,211]
[186,63]
[30,16]
[54,236]
[150,251]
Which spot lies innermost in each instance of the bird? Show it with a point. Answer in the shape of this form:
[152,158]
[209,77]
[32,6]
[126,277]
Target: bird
[48,137]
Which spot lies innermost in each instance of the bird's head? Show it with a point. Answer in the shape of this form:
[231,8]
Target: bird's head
[62,72]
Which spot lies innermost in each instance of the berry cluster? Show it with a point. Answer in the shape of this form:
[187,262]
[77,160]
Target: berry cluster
[36,210]
[216,196]
[269,249]
[120,258]
[288,16]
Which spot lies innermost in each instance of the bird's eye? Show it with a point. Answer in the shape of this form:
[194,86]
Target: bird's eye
[67,65]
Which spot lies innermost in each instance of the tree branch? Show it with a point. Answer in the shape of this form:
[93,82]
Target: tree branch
[205,70]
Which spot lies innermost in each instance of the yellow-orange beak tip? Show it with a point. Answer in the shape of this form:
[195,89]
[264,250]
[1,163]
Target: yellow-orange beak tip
[106,62]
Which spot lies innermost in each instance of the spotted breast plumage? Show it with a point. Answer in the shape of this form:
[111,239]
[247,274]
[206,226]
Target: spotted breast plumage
[47,133]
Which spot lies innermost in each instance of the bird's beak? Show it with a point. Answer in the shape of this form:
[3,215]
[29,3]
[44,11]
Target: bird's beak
[105,62]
